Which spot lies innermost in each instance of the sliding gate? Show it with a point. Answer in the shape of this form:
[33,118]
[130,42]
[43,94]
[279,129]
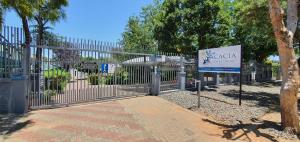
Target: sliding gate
[65,71]
[80,71]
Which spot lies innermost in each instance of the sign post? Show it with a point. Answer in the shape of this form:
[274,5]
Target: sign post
[241,78]
[222,60]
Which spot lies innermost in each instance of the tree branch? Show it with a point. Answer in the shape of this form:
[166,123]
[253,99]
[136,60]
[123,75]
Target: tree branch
[280,30]
[292,15]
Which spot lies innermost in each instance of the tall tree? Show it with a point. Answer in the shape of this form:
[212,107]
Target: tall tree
[46,11]
[1,14]
[253,29]
[24,9]
[139,34]
[137,37]
[187,26]
[284,33]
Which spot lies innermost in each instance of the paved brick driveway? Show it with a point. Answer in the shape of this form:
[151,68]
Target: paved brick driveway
[142,119]
[107,122]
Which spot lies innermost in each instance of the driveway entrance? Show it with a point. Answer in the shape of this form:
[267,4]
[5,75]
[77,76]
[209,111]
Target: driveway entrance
[142,119]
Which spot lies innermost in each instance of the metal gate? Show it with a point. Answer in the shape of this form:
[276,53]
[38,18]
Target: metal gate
[81,71]
[67,71]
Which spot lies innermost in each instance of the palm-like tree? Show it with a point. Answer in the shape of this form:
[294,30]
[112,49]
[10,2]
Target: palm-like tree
[45,12]
[1,16]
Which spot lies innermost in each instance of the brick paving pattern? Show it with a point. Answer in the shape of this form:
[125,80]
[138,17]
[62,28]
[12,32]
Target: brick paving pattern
[104,122]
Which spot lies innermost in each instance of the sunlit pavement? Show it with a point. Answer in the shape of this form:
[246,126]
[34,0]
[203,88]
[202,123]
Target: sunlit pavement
[142,119]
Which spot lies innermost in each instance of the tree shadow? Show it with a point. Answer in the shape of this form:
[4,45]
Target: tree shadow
[259,99]
[231,131]
[10,123]
[268,84]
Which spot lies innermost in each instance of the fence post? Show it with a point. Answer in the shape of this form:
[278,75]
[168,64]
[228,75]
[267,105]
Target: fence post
[182,75]
[198,92]
[216,79]
[155,87]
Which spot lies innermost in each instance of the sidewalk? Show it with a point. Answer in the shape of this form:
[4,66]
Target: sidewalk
[143,119]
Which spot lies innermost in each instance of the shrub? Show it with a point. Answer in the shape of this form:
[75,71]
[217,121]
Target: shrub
[48,93]
[117,78]
[57,79]
[275,69]
[94,79]
[109,79]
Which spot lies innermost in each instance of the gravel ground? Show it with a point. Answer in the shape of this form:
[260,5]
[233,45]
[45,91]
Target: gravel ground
[221,104]
[222,111]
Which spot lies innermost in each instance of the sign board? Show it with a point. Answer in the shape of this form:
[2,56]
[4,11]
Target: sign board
[108,68]
[111,68]
[89,65]
[220,60]
[104,68]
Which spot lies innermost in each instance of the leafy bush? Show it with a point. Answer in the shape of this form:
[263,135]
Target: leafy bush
[48,93]
[94,79]
[275,69]
[117,78]
[110,79]
[56,79]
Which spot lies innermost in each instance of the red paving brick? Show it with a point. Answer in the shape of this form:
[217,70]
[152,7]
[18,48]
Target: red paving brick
[104,121]
[94,120]
[102,112]
[32,136]
[144,119]
[96,133]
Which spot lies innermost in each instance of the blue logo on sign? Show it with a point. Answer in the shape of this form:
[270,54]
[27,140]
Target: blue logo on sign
[104,68]
[208,55]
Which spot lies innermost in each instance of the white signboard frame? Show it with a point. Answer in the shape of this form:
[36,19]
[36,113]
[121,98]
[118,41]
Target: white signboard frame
[111,68]
[220,60]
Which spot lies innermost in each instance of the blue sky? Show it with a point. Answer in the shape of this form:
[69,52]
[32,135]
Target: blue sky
[103,20]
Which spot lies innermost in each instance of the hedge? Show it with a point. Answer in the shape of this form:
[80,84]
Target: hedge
[57,79]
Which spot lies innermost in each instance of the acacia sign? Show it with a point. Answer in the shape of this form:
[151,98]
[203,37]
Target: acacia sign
[220,60]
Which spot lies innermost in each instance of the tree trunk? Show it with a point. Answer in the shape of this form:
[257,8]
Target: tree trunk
[39,50]
[38,58]
[26,60]
[290,77]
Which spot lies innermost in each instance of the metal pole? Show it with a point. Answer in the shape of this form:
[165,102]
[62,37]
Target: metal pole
[241,77]
[198,92]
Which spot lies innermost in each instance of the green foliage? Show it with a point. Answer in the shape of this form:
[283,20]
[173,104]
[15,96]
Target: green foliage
[45,11]
[1,16]
[180,26]
[138,35]
[120,77]
[56,79]
[275,68]
[191,25]
[48,94]
[185,26]
[22,7]
[253,29]
[94,79]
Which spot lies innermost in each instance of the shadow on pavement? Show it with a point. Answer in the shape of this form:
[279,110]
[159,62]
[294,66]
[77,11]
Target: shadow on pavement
[268,84]
[231,131]
[261,99]
[11,123]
